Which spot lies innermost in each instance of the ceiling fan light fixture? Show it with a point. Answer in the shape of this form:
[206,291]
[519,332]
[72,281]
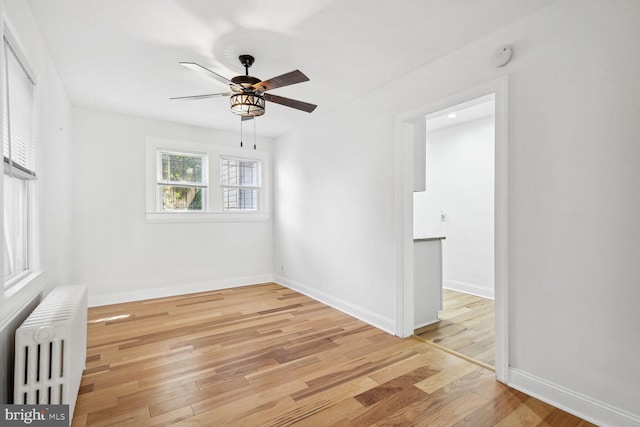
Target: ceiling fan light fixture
[249,94]
[247,104]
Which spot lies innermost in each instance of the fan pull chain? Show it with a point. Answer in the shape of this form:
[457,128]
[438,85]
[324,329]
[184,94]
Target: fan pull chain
[254,133]
[241,132]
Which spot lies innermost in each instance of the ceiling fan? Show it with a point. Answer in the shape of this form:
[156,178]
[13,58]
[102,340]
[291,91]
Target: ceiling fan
[248,94]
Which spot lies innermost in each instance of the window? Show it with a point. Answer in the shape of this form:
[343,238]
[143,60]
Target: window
[19,147]
[182,181]
[16,235]
[240,183]
[194,182]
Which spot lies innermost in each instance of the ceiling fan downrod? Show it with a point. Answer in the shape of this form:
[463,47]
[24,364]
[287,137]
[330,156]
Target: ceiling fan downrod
[247,62]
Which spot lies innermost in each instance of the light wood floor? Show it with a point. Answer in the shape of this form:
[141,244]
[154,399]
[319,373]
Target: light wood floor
[264,355]
[467,326]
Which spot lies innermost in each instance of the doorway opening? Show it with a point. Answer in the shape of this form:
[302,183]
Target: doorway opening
[412,177]
[456,205]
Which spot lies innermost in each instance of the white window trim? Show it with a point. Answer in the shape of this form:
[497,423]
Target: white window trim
[215,212]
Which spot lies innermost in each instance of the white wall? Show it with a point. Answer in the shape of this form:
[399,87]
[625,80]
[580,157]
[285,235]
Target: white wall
[460,170]
[122,257]
[54,187]
[574,103]
[335,214]
[56,181]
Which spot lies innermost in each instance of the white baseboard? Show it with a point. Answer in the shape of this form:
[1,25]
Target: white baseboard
[169,291]
[469,288]
[381,322]
[585,407]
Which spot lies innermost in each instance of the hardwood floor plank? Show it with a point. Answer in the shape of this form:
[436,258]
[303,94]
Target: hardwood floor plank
[297,369]
[522,415]
[392,403]
[116,417]
[235,405]
[264,355]
[451,412]
[391,387]
[317,413]
[341,391]
[494,411]
[442,407]
[159,393]
[271,411]
[401,368]
[446,376]
[172,417]
[338,377]
[103,398]
[559,419]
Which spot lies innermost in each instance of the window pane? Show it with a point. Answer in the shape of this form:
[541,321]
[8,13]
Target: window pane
[181,198]
[243,199]
[15,226]
[240,172]
[182,168]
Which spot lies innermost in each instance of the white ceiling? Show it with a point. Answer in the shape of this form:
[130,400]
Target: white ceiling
[475,109]
[122,55]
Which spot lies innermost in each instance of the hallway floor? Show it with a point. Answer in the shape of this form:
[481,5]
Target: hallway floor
[467,326]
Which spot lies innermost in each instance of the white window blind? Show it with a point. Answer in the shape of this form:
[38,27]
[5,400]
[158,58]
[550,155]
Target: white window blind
[19,117]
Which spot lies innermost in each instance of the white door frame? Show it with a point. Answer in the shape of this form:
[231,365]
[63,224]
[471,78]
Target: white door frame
[405,131]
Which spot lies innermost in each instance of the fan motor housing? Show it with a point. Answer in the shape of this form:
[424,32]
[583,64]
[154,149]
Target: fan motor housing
[245,81]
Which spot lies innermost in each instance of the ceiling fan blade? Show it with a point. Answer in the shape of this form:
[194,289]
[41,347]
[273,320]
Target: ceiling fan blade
[209,95]
[283,80]
[288,102]
[204,71]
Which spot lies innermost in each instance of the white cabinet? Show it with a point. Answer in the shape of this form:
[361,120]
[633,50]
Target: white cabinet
[427,279]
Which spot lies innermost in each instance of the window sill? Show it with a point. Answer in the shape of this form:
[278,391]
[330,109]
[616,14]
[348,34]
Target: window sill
[19,295]
[158,217]
[21,283]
